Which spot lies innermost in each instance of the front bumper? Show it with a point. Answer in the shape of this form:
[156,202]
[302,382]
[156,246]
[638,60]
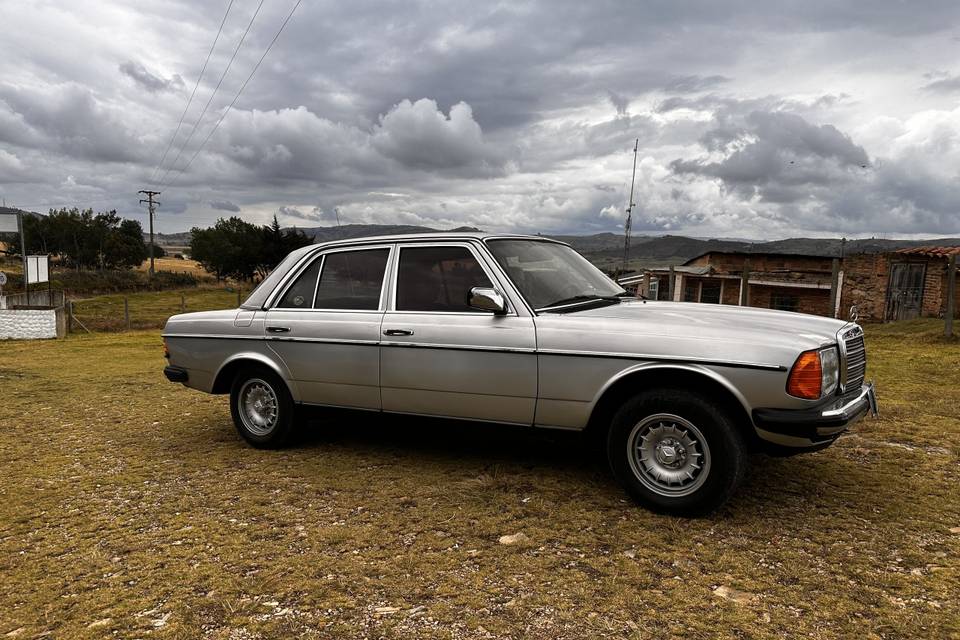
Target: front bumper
[816,425]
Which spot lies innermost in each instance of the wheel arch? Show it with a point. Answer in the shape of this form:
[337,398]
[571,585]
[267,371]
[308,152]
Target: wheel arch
[692,377]
[223,379]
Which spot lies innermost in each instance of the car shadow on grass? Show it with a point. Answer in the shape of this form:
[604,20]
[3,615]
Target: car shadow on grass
[472,443]
[774,488]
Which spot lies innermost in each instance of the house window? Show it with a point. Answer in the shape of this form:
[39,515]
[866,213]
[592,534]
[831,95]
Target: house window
[691,290]
[654,292]
[784,302]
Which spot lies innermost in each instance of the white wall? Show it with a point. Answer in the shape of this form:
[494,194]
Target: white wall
[28,324]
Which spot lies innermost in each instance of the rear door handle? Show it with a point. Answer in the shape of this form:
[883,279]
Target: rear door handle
[398,332]
[278,329]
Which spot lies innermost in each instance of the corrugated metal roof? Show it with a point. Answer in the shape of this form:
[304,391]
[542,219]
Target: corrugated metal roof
[933,252]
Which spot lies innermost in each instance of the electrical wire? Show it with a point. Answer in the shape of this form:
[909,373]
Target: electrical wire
[192,94]
[212,95]
[236,97]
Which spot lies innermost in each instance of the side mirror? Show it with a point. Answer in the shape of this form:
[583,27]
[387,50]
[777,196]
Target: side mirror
[486,299]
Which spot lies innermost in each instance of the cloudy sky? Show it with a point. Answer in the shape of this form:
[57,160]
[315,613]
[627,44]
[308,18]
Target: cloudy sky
[755,119]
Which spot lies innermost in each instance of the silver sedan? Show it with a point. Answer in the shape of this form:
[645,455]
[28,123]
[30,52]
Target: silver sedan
[524,330]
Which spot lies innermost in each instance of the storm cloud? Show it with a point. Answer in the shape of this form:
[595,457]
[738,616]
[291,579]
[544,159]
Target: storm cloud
[753,120]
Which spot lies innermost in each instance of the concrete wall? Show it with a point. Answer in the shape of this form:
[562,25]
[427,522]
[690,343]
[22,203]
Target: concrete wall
[28,324]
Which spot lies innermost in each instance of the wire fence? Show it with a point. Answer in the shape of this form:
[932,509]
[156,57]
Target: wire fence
[145,310]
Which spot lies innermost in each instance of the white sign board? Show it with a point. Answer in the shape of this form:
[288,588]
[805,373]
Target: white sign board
[37,269]
[8,223]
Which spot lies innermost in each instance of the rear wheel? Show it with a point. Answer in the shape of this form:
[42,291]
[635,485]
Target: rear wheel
[676,452]
[262,408]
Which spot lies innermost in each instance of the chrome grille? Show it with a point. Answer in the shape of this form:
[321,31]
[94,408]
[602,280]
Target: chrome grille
[856,361]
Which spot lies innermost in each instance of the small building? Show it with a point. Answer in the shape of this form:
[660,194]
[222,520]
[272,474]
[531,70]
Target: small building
[882,287]
[900,285]
[787,282]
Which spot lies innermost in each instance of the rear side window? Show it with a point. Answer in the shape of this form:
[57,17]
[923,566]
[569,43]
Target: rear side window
[437,278]
[300,293]
[352,280]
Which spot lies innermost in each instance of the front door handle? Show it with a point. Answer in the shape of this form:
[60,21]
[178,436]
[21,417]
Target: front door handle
[398,332]
[278,329]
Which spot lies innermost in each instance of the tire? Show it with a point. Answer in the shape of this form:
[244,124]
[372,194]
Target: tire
[676,452]
[262,408]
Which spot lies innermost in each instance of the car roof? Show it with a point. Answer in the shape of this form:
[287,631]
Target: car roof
[432,236]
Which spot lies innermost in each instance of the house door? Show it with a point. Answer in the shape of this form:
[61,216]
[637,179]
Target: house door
[905,290]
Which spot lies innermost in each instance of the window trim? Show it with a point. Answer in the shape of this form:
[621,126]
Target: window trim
[291,280]
[494,281]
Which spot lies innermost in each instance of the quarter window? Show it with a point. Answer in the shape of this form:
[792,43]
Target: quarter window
[352,280]
[437,278]
[300,293]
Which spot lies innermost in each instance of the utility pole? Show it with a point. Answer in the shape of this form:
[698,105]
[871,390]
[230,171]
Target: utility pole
[630,205]
[151,205]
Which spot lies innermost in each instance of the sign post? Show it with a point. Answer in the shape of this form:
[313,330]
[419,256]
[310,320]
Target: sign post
[13,223]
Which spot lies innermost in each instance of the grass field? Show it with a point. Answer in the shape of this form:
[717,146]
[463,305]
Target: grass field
[176,265]
[130,508]
[150,309]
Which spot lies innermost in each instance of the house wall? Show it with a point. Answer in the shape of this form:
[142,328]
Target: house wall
[814,301]
[781,267]
[865,278]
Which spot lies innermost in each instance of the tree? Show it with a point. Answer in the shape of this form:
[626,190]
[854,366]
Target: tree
[230,248]
[277,243]
[83,240]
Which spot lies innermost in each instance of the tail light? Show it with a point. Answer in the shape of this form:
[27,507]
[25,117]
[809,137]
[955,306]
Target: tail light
[166,349]
[806,376]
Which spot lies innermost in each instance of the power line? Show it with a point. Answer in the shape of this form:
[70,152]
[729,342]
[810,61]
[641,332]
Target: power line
[212,95]
[192,94]
[236,97]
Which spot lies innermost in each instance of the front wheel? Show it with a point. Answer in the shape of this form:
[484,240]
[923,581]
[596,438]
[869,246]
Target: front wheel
[262,408]
[676,452]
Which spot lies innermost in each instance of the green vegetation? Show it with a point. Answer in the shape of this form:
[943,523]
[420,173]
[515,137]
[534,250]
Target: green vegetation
[84,240]
[149,309]
[233,248]
[130,507]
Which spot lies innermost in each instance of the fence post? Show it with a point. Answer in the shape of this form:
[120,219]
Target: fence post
[670,284]
[834,286]
[951,296]
[238,296]
[745,285]
[69,305]
[183,304]
[126,312]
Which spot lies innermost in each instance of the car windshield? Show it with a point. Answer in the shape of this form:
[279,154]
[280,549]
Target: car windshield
[549,274]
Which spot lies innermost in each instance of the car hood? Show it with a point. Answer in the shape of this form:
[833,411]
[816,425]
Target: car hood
[686,329]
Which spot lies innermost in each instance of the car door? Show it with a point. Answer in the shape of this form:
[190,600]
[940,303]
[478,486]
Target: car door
[439,356]
[325,326]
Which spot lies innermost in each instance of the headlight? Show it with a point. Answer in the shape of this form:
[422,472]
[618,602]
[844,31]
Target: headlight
[830,370]
[815,374]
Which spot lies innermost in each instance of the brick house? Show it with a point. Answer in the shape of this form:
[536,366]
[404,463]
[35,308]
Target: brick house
[883,287]
[900,285]
[776,281]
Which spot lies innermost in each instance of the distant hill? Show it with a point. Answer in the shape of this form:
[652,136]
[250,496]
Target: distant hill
[606,249]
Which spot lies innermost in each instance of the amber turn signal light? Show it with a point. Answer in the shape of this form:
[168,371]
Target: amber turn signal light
[806,376]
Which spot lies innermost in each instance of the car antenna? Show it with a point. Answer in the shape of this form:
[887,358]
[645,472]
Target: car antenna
[630,205]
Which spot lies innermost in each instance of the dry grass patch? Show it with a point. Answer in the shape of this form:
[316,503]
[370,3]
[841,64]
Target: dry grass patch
[129,506]
[150,309]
